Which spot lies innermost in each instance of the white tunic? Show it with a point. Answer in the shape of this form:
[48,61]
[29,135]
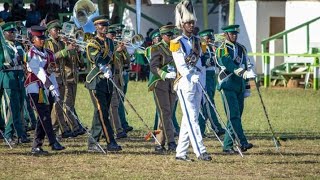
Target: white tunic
[36,63]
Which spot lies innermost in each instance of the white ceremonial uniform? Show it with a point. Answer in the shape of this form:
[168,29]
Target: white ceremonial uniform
[189,94]
[36,63]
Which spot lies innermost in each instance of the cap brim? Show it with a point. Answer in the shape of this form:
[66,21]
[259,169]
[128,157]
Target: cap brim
[42,37]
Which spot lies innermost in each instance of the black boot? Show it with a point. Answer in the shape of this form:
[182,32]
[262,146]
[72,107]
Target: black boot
[24,139]
[160,149]
[39,151]
[113,147]
[172,146]
[245,147]
[123,134]
[205,157]
[57,146]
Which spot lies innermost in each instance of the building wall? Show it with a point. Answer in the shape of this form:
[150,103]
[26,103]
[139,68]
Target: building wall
[298,12]
[165,13]
[254,20]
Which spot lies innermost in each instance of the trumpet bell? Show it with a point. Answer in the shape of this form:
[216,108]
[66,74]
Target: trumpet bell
[137,40]
[83,12]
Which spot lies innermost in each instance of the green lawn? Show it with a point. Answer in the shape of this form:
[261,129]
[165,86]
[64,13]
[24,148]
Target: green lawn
[294,113]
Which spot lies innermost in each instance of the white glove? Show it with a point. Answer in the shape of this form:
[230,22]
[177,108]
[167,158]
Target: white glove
[171,75]
[249,74]
[51,87]
[247,93]
[55,94]
[108,74]
[195,78]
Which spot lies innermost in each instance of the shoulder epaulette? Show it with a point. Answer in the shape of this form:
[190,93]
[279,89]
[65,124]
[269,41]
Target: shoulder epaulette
[175,44]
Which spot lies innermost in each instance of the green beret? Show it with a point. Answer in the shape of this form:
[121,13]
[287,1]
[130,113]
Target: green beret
[231,28]
[167,28]
[53,24]
[155,33]
[102,19]
[207,32]
[8,26]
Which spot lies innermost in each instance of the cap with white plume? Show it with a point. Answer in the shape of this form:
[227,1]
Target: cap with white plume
[184,13]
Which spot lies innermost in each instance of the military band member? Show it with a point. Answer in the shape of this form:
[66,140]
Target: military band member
[186,51]
[11,83]
[125,74]
[100,53]
[209,61]
[156,38]
[42,88]
[232,57]
[121,58]
[61,52]
[163,73]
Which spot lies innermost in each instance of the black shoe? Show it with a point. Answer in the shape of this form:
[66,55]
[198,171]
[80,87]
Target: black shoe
[160,149]
[68,134]
[205,157]
[39,151]
[57,146]
[245,147]
[229,151]
[123,134]
[113,147]
[23,139]
[128,128]
[172,146]
[80,132]
[184,158]
[94,149]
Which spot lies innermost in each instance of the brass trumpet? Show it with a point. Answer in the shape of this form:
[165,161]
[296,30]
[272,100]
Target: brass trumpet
[134,42]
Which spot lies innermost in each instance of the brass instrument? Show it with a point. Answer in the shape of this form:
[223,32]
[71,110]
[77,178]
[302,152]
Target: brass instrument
[83,12]
[130,40]
[77,37]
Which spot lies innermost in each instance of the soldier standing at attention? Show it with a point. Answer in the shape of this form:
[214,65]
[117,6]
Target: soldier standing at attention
[100,53]
[186,52]
[208,60]
[11,83]
[42,88]
[61,52]
[233,60]
[163,72]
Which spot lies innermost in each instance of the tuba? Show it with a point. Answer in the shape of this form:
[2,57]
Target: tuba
[83,12]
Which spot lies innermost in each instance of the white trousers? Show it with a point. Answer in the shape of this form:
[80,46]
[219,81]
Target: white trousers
[190,131]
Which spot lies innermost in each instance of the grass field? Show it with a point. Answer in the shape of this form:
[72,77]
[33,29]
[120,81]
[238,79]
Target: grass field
[294,114]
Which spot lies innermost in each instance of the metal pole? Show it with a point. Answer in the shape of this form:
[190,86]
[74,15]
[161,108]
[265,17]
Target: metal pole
[232,4]
[205,13]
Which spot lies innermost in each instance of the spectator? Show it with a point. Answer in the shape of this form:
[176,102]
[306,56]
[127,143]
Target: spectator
[18,12]
[5,14]
[33,16]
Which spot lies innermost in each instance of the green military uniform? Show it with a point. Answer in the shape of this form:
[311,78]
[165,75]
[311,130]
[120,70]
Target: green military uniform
[61,53]
[118,29]
[11,84]
[100,53]
[208,60]
[121,59]
[231,83]
[156,34]
[161,65]
[74,60]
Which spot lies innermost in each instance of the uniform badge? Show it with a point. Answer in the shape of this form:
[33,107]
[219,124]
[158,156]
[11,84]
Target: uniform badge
[238,59]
